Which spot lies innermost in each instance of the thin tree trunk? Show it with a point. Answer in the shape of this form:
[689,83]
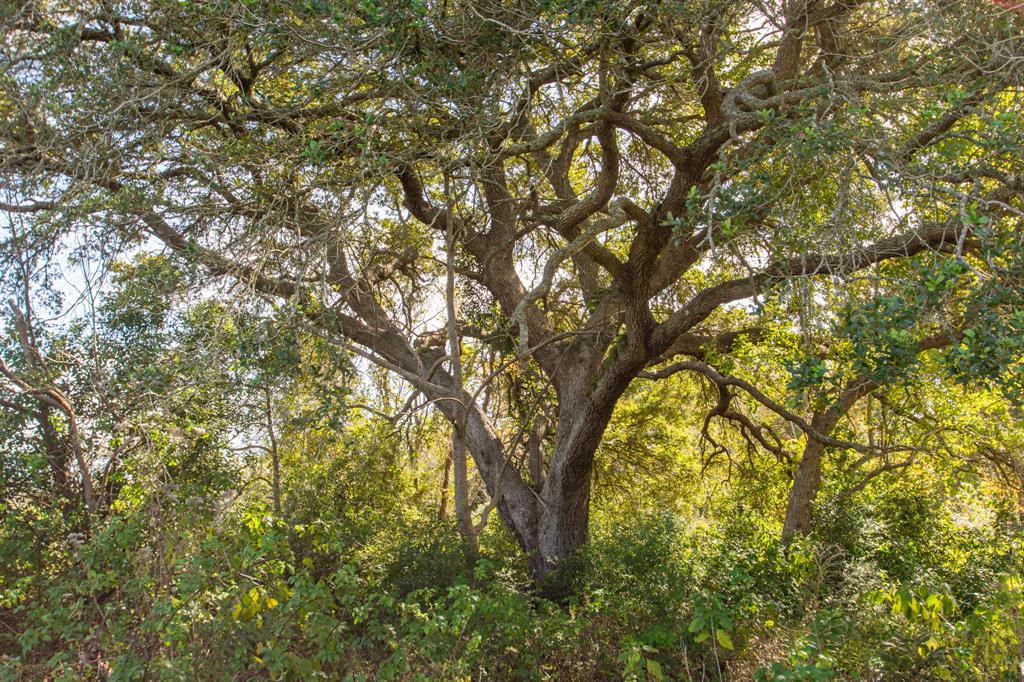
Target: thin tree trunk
[275,460]
[442,510]
[460,474]
[463,516]
[56,453]
[88,492]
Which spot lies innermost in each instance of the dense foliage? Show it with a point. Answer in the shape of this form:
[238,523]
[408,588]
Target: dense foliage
[474,339]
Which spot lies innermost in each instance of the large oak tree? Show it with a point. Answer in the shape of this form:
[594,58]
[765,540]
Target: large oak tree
[586,190]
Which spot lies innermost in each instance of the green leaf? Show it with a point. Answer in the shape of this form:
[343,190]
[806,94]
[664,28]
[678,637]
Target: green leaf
[654,670]
[724,639]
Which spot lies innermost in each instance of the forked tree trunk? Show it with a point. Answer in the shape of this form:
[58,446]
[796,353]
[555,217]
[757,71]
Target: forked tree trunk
[564,517]
[800,510]
[549,524]
[549,520]
[556,518]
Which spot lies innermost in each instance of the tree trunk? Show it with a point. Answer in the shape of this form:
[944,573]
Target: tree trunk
[800,510]
[460,471]
[442,508]
[56,453]
[463,513]
[535,452]
[562,529]
[564,518]
[549,524]
[275,460]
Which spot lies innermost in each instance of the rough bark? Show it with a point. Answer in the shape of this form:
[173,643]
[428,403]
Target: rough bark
[800,510]
[564,521]
[535,452]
